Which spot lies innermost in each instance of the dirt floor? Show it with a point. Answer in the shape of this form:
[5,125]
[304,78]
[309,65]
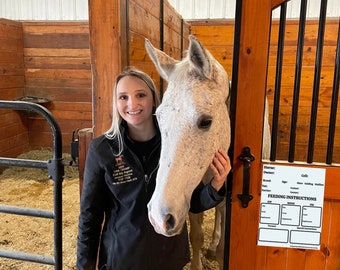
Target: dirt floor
[31,188]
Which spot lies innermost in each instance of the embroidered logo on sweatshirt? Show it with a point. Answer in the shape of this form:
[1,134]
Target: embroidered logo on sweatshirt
[122,173]
[119,161]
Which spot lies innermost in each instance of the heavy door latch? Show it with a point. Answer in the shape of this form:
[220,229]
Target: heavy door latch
[246,157]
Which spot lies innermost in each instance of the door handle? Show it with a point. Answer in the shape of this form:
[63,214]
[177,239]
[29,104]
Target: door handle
[246,157]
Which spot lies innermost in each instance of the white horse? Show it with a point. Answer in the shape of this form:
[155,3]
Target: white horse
[194,123]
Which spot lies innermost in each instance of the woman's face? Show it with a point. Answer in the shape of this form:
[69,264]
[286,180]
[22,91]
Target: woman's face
[134,101]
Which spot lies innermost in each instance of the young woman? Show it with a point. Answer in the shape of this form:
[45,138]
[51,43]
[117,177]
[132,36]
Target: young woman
[119,180]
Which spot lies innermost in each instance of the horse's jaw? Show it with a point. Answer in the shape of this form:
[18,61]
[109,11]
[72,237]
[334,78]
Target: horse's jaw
[170,203]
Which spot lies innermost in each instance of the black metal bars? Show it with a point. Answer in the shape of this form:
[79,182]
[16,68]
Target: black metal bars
[55,169]
[315,87]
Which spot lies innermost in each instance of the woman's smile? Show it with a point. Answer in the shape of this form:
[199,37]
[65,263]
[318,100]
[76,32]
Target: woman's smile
[134,112]
[135,102]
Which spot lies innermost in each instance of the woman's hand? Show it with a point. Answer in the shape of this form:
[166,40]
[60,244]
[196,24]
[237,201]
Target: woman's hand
[220,167]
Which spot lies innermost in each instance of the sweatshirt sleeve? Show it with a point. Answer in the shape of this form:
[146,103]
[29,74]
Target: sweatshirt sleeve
[206,197]
[91,212]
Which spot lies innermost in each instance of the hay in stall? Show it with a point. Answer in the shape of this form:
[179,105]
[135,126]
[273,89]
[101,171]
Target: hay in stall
[30,187]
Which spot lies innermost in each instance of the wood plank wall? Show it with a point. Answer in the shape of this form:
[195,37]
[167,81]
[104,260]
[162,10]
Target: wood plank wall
[144,22]
[217,36]
[13,126]
[49,60]
[57,67]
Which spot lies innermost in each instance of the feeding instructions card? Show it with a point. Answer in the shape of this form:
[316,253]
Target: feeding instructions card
[291,206]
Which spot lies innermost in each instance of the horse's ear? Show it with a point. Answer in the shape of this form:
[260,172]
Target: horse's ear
[199,58]
[163,62]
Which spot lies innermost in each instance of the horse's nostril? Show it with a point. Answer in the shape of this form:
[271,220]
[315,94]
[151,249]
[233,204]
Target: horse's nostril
[169,222]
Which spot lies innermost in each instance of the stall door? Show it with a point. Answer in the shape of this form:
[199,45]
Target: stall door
[251,83]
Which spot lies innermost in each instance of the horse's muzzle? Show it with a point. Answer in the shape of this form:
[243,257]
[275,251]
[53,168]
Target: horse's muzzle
[166,225]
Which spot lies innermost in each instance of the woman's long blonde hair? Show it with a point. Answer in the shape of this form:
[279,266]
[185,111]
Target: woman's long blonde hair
[114,131]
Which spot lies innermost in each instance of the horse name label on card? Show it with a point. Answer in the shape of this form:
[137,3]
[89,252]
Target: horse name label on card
[291,206]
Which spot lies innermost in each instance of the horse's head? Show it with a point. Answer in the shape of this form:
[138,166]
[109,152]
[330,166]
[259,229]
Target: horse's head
[194,124]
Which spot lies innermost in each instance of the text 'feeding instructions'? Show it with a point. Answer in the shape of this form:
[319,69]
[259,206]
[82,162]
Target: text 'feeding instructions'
[291,206]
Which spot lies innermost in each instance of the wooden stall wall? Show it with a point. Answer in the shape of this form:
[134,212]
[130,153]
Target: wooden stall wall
[58,67]
[163,26]
[217,36]
[13,126]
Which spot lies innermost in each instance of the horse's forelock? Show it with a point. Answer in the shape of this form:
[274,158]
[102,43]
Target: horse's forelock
[183,76]
[180,73]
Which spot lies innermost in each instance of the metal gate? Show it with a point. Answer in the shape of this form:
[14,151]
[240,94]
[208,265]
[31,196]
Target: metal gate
[55,169]
[293,142]
[315,88]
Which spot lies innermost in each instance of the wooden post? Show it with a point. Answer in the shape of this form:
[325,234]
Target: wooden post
[105,34]
[252,67]
[84,137]
[105,31]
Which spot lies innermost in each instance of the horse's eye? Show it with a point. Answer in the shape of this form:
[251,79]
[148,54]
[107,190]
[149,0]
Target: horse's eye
[204,122]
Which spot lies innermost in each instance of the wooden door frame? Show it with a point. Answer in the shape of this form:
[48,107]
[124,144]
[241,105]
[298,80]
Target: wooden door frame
[248,91]
[251,57]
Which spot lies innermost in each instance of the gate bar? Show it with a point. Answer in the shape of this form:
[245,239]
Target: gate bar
[316,84]
[56,172]
[23,162]
[297,81]
[33,107]
[26,211]
[27,257]
[278,77]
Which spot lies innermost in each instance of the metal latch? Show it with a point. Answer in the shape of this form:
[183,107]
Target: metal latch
[246,157]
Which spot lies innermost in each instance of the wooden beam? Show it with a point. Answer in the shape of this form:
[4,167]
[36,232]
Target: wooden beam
[105,32]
